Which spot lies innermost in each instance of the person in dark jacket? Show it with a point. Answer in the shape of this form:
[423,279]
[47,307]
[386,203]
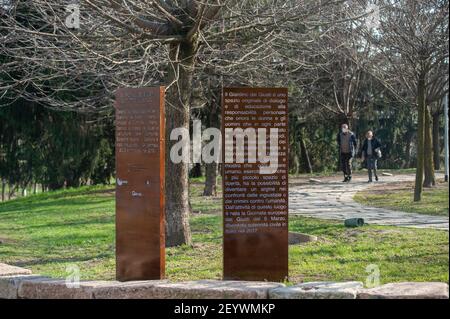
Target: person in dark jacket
[347,149]
[371,152]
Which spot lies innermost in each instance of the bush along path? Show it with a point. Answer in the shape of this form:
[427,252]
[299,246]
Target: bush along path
[331,199]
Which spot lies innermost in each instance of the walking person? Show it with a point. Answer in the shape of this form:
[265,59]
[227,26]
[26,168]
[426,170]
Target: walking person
[347,148]
[371,152]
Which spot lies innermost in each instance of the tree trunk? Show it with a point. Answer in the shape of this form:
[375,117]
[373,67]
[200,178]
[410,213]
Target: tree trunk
[211,168]
[3,189]
[305,156]
[53,186]
[295,156]
[196,171]
[12,191]
[436,141]
[430,179]
[211,179]
[420,139]
[407,163]
[180,73]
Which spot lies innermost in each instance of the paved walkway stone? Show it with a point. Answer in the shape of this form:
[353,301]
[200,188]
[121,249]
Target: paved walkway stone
[334,200]
[214,289]
[318,290]
[9,285]
[407,290]
[8,270]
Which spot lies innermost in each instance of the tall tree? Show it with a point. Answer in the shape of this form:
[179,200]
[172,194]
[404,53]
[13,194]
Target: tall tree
[412,45]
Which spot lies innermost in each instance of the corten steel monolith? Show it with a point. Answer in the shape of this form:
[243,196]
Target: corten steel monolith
[140,151]
[255,205]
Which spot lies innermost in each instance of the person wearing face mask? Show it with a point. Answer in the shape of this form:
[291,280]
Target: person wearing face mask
[347,148]
[371,153]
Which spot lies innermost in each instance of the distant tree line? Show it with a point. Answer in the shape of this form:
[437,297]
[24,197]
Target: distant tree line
[41,149]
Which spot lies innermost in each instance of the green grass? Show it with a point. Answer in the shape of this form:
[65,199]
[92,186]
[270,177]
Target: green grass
[400,197]
[202,204]
[49,231]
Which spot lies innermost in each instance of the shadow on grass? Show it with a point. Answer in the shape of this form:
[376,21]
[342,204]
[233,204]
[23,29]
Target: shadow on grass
[103,220]
[62,260]
[66,193]
[14,208]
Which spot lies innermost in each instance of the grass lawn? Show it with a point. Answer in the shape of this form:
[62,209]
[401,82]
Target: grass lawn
[399,196]
[49,231]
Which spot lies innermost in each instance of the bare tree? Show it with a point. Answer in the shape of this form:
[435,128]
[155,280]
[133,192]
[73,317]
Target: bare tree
[412,47]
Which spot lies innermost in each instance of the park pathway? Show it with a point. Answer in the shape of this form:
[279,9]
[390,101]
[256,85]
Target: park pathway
[331,199]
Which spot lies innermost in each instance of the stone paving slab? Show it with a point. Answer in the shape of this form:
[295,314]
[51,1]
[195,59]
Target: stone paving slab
[334,200]
[9,285]
[40,287]
[407,290]
[215,289]
[127,290]
[318,290]
[8,270]
[49,288]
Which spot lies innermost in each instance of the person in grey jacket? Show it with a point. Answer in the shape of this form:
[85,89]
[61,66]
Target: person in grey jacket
[371,153]
[347,149]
